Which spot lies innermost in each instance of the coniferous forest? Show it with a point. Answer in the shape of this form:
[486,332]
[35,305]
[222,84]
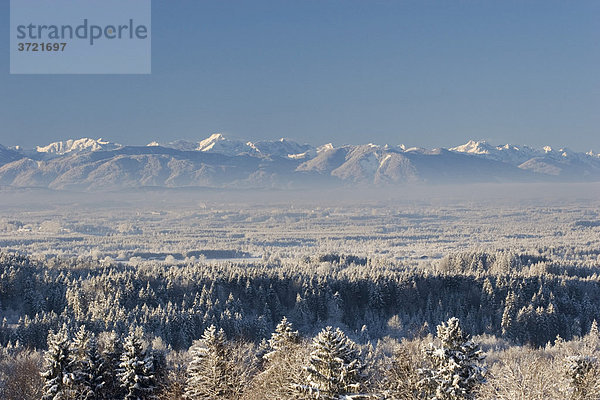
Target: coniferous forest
[265,330]
[410,308]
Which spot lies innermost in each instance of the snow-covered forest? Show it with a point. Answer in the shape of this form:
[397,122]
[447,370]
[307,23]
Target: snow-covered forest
[492,298]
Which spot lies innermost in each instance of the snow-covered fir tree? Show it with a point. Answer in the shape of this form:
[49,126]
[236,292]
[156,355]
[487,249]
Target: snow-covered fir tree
[335,368]
[78,363]
[455,364]
[283,336]
[96,374]
[282,364]
[136,370]
[594,331]
[112,348]
[57,373]
[592,339]
[208,370]
[87,366]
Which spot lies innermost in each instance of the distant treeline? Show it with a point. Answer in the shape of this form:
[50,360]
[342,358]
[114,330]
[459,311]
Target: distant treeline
[213,254]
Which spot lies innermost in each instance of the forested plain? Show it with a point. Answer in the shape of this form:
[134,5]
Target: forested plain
[475,293]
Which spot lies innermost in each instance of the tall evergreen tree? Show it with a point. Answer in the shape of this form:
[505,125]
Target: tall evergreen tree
[592,339]
[136,370]
[282,337]
[111,354]
[509,315]
[79,364]
[283,360]
[57,373]
[208,371]
[87,366]
[455,370]
[335,368]
[96,374]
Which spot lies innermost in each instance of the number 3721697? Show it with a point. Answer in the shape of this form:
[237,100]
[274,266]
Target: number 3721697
[41,46]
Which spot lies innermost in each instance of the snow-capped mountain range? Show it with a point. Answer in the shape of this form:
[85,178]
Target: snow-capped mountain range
[217,143]
[79,145]
[218,161]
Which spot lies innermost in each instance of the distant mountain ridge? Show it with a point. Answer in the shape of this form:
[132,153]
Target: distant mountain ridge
[217,143]
[79,145]
[221,162]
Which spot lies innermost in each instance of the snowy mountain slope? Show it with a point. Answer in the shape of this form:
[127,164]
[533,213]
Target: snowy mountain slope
[134,166]
[78,145]
[508,153]
[517,155]
[8,155]
[569,167]
[383,164]
[183,145]
[328,158]
[12,174]
[396,168]
[441,166]
[89,164]
[217,143]
[361,163]
[283,148]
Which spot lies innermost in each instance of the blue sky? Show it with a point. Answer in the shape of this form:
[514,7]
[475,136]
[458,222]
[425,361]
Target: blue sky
[415,72]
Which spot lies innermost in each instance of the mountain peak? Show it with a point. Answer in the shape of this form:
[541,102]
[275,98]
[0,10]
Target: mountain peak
[83,144]
[325,147]
[592,154]
[474,147]
[210,142]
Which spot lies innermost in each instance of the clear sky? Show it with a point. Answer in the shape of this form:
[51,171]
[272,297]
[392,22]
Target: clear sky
[426,73]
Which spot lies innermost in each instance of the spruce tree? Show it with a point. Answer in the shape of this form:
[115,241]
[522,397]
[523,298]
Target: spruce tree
[208,371]
[136,371]
[57,373]
[282,363]
[455,370]
[592,339]
[509,315]
[282,337]
[594,329]
[111,354]
[96,374]
[87,366]
[335,368]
